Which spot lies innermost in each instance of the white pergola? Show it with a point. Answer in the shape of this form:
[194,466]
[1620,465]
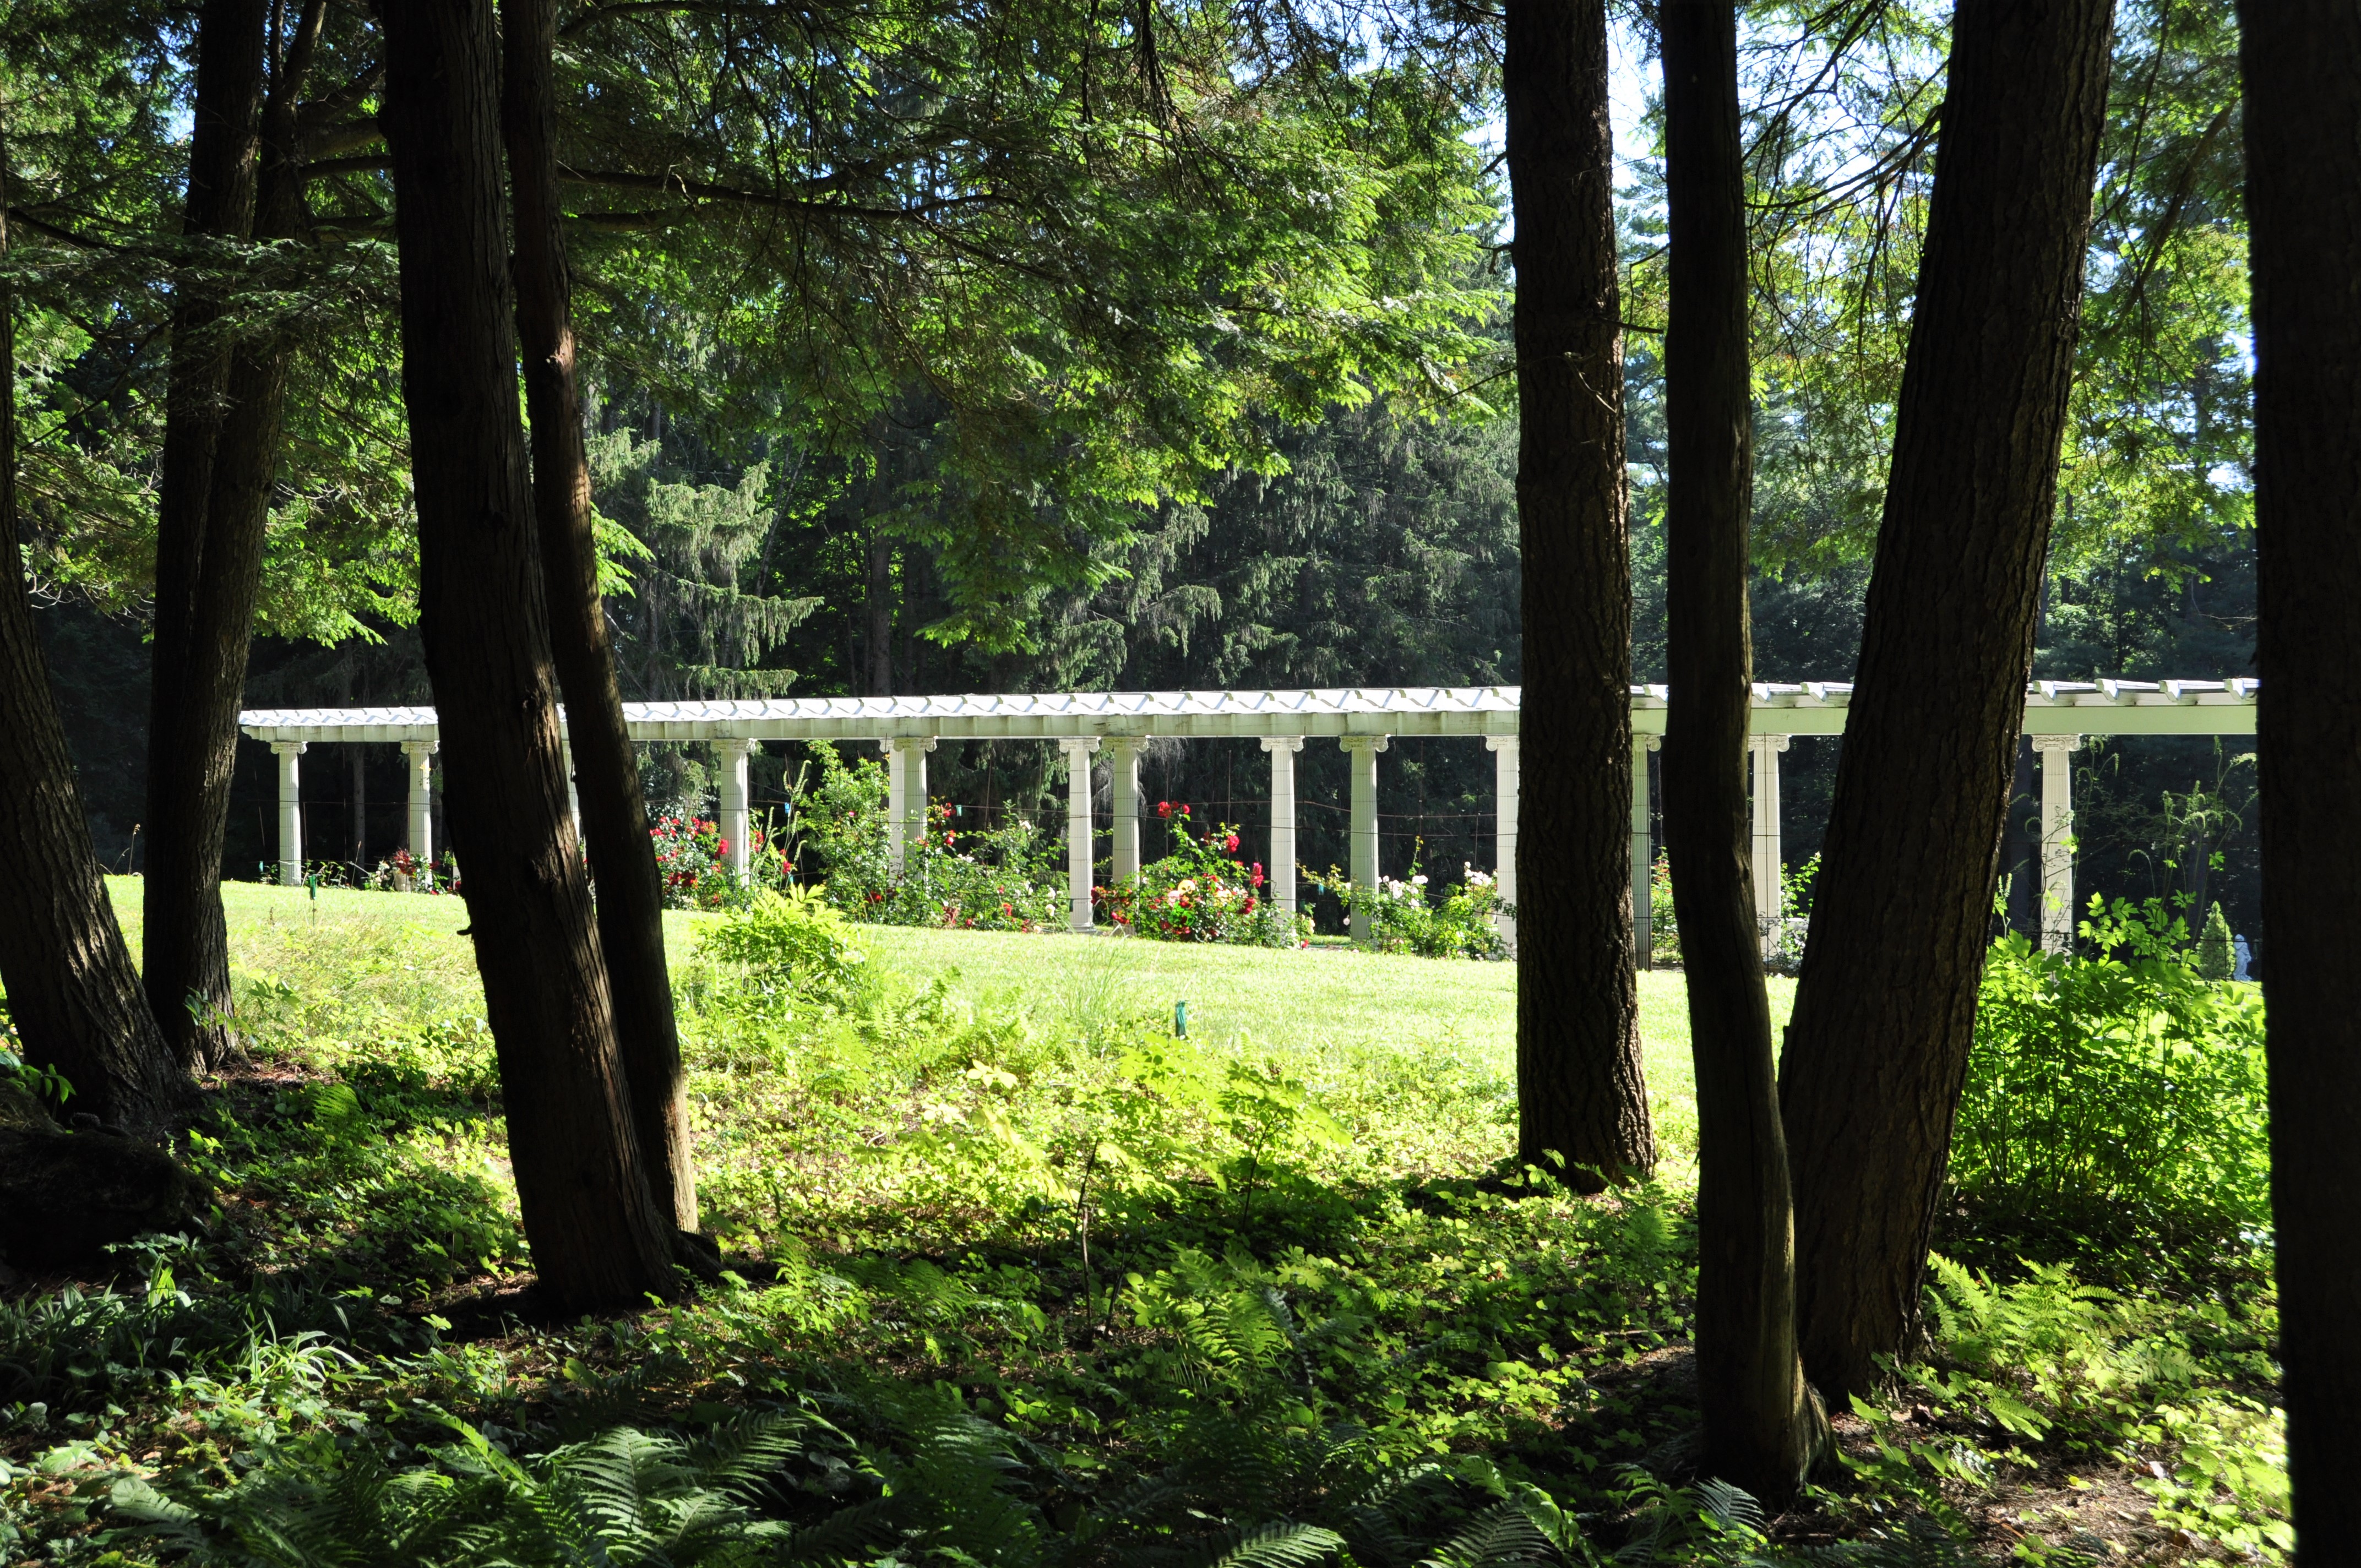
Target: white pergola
[1361,719]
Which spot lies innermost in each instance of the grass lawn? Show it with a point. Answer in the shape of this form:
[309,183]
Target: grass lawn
[1330,1002]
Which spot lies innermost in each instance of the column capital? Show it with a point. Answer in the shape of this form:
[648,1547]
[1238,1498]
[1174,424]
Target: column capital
[1124,742]
[904,743]
[1364,743]
[1078,745]
[735,745]
[2056,743]
[1652,743]
[288,747]
[1282,743]
[1502,742]
[1763,743]
[420,748]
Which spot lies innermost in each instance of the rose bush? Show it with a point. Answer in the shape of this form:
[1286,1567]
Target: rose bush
[1201,893]
[692,858]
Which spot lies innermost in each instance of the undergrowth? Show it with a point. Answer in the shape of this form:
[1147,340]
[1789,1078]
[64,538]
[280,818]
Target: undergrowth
[1039,1285]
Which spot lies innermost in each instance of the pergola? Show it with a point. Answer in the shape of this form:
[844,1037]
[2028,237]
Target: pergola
[1361,719]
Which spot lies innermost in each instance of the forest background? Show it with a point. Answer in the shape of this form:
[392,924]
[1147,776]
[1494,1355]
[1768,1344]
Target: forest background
[770,534]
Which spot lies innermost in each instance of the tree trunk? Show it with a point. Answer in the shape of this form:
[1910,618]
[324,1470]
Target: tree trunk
[73,997]
[187,971]
[360,808]
[2301,60]
[1885,1011]
[878,645]
[597,1239]
[1764,1426]
[191,818]
[1581,1095]
[606,771]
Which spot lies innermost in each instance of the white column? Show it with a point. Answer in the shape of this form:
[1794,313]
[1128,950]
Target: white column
[1122,768]
[2057,839]
[290,812]
[418,762]
[1279,877]
[1505,780]
[897,761]
[1763,750]
[1364,749]
[732,755]
[1078,750]
[1643,859]
[905,796]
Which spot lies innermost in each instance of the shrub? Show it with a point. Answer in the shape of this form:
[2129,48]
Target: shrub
[1002,879]
[797,943]
[1200,893]
[2216,959]
[1405,915]
[2114,1104]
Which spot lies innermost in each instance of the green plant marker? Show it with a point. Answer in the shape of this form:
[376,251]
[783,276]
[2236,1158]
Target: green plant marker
[312,882]
[1181,1019]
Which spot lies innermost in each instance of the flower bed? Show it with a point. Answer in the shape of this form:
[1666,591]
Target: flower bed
[694,859]
[1200,893]
[1405,918]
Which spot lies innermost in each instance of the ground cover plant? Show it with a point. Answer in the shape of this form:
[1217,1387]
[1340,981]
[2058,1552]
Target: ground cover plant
[1019,1276]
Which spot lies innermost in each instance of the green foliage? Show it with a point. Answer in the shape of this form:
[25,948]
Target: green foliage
[2114,1105]
[1040,1283]
[795,943]
[2047,1361]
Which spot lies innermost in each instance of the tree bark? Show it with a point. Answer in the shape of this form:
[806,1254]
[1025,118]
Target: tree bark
[606,771]
[1764,1426]
[1582,1098]
[1885,1011]
[73,997]
[190,779]
[187,969]
[2301,60]
[878,645]
[597,1239]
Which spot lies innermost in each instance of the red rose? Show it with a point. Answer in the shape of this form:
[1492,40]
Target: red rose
[1164,808]
[1257,873]
[1231,843]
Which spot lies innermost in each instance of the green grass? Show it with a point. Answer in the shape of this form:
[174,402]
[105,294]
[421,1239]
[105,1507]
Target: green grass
[1331,1003]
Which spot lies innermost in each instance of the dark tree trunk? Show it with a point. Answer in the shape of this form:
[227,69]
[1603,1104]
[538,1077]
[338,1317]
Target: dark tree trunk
[1878,1047]
[606,771]
[597,1239]
[1581,1095]
[2301,60]
[187,971]
[74,996]
[1764,1426]
[361,807]
[189,819]
[878,645]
